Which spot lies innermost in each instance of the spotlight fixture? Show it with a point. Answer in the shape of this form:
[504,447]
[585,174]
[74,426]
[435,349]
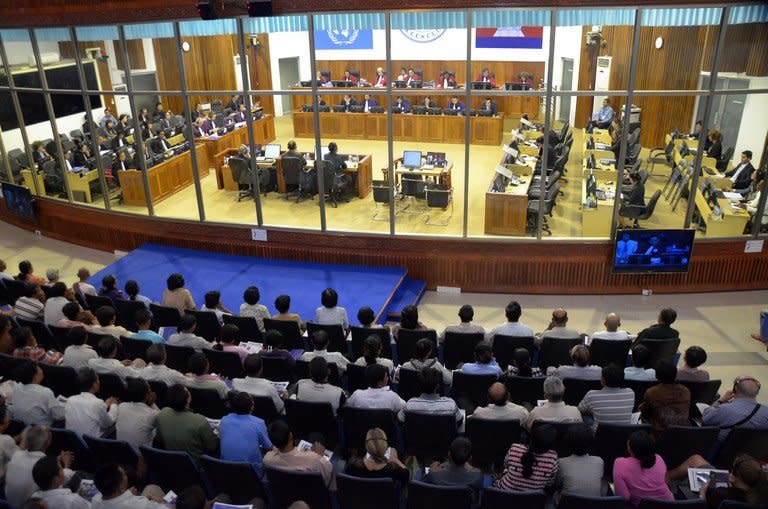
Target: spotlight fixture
[206,9]
[259,8]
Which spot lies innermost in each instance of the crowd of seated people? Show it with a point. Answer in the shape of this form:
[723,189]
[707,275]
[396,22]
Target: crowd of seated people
[94,344]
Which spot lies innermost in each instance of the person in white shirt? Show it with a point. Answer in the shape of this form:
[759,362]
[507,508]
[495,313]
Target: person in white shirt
[84,413]
[31,403]
[186,335]
[499,407]
[255,385]
[580,369]
[3,273]
[82,287]
[78,354]
[156,369]
[54,304]
[330,313]
[612,324]
[378,396]
[30,306]
[214,305]
[106,323]
[513,327]
[19,484]
[320,343]
[251,307]
[466,314]
[625,247]
[49,477]
[114,492]
[137,415]
[8,445]
[639,370]
[132,293]
[754,203]
[554,409]
[316,389]
[106,362]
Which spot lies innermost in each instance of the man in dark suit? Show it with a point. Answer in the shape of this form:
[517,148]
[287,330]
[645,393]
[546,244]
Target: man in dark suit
[320,101]
[490,105]
[402,104]
[122,162]
[234,102]
[741,175]
[166,122]
[455,104]
[340,178]
[82,156]
[146,131]
[159,144]
[198,128]
[39,153]
[241,115]
[348,102]
[118,141]
[662,329]
[635,195]
[159,112]
[368,103]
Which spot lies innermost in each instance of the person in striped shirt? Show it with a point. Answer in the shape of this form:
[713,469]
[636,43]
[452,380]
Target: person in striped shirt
[612,404]
[531,467]
[30,306]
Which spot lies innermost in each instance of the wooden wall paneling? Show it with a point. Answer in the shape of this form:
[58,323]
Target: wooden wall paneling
[586,77]
[135,49]
[757,64]
[260,69]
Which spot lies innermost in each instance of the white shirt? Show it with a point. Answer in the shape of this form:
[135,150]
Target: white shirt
[190,340]
[738,171]
[219,313]
[508,412]
[516,329]
[85,288]
[259,387]
[53,310]
[113,330]
[257,311]
[604,334]
[557,412]
[113,366]
[136,423]
[85,414]
[162,373]
[334,357]
[376,399]
[125,501]
[77,356]
[332,316]
[8,448]
[381,361]
[35,404]
[62,498]
[5,275]
[751,208]
[19,484]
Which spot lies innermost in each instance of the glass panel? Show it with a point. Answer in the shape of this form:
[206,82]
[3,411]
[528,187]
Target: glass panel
[120,158]
[210,58]
[45,154]
[98,47]
[9,164]
[57,55]
[743,53]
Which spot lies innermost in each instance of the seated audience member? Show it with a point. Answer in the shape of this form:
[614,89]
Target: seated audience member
[55,303]
[31,403]
[19,483]
[243,435]
[78,354]
[558,327]
[532,467]
[202,378]
[30,306]
[666,403]
[176,296]
[109,288]
[641,476]
[484,363]
[273,349]
[132,291]
[143,319]
[380,459]
[114,492]
[186,335]
[378,396]
[285,455]
[554,409]
[316,389]
[580,473]
[320,345]
[251,307]
[49,477]
[106,318]
[612,404]
[283,305]
[424,359]
[457,471]
[466,314]
[137,415]
[81,286]
[612,323]
[367,318]
[6,340]
[580,368]
[181,429]
[52,276]
[662,328]
[214,305]
[255,384]
[8,445]
[639,370]
[521,364]
[694,357]
[157,371]
[499,407]
[3,268]
[372,354]
[330,313]
[430,401]
[84,413]
[107,363]
[26,347]
[26,273]
[228,341]
[74,316]
[738,407]
[409,319]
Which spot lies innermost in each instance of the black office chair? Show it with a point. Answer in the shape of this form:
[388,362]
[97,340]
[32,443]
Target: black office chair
[609,351]
[556,351]
[288,486]
[126,313]
[208,325]
[172,470]
[408,385]
[611,443]
[640,212]
[491,439]
[438,198]
[358,421]
[495,498]
[307,417]
[678,443]
[236,479]
[62,380]
[292,169]
[525,390]
[725,158]
[264,408]
[428,436]
[459,348]
[110,386]
[334,182]
[337,336]
[208,403]
[534,192]
[504,348]
[471,391]
[135,348]
[247,327]
[576,389]
[406,342]
[227,364]
[413,187]
[292,339]
[356,378]
[549,203]
[164,316]
[381,196]
[277,369]
[360,334]
[421,495]
[380,493]
[661,349]
[242,175]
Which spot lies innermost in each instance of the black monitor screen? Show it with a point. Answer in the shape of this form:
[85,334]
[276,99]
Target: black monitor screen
[653,250]
[18,201]
[436,158]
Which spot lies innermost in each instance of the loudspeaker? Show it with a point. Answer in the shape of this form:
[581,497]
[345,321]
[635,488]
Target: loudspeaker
[259,8]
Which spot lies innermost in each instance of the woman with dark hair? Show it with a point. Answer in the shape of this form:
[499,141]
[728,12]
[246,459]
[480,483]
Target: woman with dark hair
[251,307]
[409,319]
[642,475]
[330,313]
[532,467]
[372,354]
[176,296]
[132,290]
[484,363]
[521,364]
[109,288]
[580,473]
[26,273]
[423,358]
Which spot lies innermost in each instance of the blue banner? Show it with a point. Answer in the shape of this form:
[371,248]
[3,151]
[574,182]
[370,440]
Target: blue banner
[353,38]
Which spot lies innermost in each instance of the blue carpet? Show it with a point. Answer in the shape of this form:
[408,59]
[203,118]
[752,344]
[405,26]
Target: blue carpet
[357,285]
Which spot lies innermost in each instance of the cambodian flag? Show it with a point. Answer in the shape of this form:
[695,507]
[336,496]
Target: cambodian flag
[509,37]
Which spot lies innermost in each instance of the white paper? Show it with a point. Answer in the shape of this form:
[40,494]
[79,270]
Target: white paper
[252,346]
[541,402]
[280,386]
[509,150]
[526,122]
[503,170]
[307,447]
[754,246]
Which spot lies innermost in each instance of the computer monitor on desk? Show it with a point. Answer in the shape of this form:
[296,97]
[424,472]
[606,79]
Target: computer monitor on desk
[416,84]
[399,84]
[419,110]
[339,108]
[510,85]
[434,110]
[412,159]
[436,158]
[481,85]
[591,185]
[323,151]
[449,111]
[272,151]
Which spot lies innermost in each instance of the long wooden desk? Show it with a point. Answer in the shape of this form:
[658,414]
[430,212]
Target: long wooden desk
[165,179]
[263,132]
[507,213]
[730,225]
[596,221]
[361,176]
[405,127]
[81,183]
[441,174]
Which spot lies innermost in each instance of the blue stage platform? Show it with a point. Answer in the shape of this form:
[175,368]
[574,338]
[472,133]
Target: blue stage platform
[357,285]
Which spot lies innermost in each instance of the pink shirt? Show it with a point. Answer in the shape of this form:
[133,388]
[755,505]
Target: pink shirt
[242,352]
[634,483]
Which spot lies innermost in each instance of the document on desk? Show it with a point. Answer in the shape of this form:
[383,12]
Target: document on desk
[503,170]
[526,122]
[509,150]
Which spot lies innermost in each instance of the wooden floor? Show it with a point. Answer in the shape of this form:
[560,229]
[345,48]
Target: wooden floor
[357,215]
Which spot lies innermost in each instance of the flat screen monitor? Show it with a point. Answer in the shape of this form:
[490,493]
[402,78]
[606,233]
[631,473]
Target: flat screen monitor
[323,151]
[412,159]
[271,151]
[18,201]
[481,85]
[436,158]
[649,251]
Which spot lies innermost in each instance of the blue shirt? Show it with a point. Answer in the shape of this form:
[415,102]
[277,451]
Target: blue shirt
[242,437]
[606,112]
[148,335]
[474,368]
[728,414]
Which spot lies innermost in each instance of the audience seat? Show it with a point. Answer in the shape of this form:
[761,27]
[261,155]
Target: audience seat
[227,364]
[611,443]
[694,503]
[278,370]
[459,348]
[9,363]
[112,451]
[581,502]
[288,486]
[208,325]
[42,334]
[408,386]
[95,337]
[678,443]
[126,313]
[556,351]
[62,380]
[135,348]
[177,357]
[15,288]
[302,372]
[160,389]
[165,316]
[561,445]
[732,504]
[67,440]
[702,392]
[264,408]
[208,403]
[576,389]
[248,327]
[609,351]
[406,343]
[62,336]
[172,470]
[753,441]
[97,301]
[377,493]
[524,390]
[491,440]
[471,391]
[421,495]
[110,385]
[639,387]
[233,478]
[428,436]
[356,378]
[306,417]
[337,338]
[661,349]
[360,334]
[292,339]
[358,421]
[495,498]
[505,346]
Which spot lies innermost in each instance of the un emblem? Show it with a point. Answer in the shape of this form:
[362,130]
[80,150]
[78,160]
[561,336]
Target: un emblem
[345,37]
[423,36]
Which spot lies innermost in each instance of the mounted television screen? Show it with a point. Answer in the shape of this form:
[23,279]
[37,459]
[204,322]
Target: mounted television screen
[648,251]
[18,201]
